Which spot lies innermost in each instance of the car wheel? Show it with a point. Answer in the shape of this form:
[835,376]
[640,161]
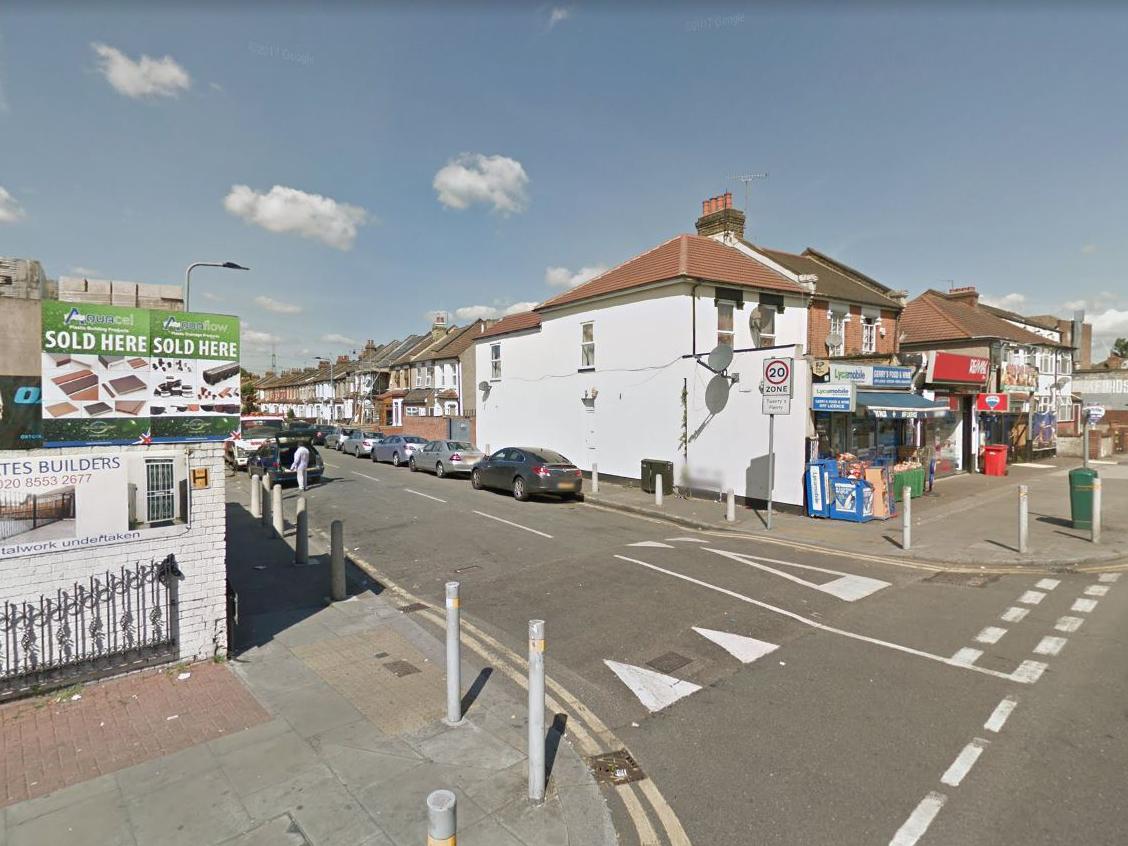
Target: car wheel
[372,455]
[476,480]
[411,464]
[520,492]
[439,471]
[395,459]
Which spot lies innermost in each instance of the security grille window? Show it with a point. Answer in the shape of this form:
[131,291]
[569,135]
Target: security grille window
[587,345]
[767,314]
[869,335]
[725,333]
[1065,364]
[160,495]
[495,361]
[836,339]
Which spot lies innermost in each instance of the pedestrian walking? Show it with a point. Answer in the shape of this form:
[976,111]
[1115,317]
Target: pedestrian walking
[300,465]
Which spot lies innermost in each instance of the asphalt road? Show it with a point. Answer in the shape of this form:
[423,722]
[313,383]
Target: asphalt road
[861,703]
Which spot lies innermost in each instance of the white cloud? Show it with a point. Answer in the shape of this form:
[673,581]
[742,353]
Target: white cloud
[10,210]
[559,14]
[289,210]
[485,312]
[342,340]
[277,306]
[562,277]
[521,308]
[1011,302]
[256,338]
[79,270]
[146,77]
[474,178]
[1088,249]
[1110,322]
[208,295]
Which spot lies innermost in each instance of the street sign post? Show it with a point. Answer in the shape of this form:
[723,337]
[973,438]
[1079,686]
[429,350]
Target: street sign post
[777,387]
[1091,414]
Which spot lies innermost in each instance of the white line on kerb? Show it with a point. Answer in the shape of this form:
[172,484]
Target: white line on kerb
[514,525]
[919,820]
[1083,605]
[1031,597]
[999,716]
[963,763]
[1096,590]
[1014,614]
[1048,584]
[1050,645]
[373,478]
[1108,577]
[419,493]
[991,634]
[967,656]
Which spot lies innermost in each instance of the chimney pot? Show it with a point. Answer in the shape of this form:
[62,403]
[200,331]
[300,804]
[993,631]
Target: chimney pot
[728,199]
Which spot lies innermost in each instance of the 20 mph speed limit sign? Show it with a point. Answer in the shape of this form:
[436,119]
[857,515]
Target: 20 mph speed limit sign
[777,385]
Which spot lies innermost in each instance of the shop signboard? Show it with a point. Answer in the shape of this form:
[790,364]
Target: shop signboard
[73,500]
[951,369]
[834,396]
[1094,413]
[1018,378]
[20,415]
[992,402]
[872,375]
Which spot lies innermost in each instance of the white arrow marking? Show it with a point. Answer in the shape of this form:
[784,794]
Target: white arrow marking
[654,544]
[744,649]
[654,690]
[847,587]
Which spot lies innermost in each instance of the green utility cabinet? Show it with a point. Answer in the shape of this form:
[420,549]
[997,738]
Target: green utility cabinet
[651,467]
[1081,485]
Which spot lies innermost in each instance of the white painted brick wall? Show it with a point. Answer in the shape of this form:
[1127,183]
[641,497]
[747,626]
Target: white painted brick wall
[200,550]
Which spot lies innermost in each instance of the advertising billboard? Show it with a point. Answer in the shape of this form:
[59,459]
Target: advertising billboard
[20,417]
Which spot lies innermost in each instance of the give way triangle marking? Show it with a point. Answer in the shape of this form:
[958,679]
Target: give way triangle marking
[654,690]
[744,649]
[847,586]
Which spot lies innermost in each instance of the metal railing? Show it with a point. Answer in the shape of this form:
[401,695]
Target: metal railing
[110,624]
[21,513]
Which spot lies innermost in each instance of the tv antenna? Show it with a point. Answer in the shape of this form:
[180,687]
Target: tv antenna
[273,357]
[748,179]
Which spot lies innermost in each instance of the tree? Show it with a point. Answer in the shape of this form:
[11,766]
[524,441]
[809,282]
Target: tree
[247,390]
[1120,347]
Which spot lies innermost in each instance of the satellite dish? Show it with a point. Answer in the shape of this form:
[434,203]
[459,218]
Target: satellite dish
[483,386]
[834,339]
[755,324]
[717,394]
[720,358]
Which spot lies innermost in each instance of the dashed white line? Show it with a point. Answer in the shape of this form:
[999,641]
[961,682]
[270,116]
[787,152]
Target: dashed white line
[919,820]
[514,525]
[1069,624]
[1096,590]
[1108,577]
[1031,597]
[1084,606]
[1015,615]
[1048,584]
[991,634]
[689,540]
[428,496]
[1050,645]
[963,763]
[967,656]
[999,716]
[1029,672]
[366,476]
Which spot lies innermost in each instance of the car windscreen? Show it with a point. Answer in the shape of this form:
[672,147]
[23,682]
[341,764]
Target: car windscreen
[371,435]
[459,445]
[261,430]
[414,439]
[549,457]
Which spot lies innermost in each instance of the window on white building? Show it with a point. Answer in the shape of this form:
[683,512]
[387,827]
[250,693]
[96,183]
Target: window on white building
[453,375]
[725,331]
[587,345]
[836,337]
[1065,363]
[450,408]
[495,361]
[418,377]
[1018,356]
[869,335]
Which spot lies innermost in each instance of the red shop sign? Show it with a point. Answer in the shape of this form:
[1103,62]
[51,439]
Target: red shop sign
[957,369]
[991,402]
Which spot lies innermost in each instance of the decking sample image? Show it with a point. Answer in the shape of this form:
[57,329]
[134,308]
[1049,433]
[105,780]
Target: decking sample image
[110,360]
[61,409]
[97,409]
[78,384]
[138,363]
[129,407]
[223,371]
[125,385]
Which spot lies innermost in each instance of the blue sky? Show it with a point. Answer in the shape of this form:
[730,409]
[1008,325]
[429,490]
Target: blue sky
[927,146]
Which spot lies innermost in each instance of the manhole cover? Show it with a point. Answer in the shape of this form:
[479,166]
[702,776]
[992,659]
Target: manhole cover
[962,579]
[401,668]
[668,663]
[380,655]
[616,768]
[414,606]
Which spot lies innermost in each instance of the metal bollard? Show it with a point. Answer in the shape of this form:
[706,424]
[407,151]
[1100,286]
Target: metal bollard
[301,537]
[730,506]
[595,478]
[256,500]
[265,500]
[906,517]
[658,489]
[536,711]
[337,560]
[1023,518]
[1096,530]
[453,654]
[276,512]
[442,818]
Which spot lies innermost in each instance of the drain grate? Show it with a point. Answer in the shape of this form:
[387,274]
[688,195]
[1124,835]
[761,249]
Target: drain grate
[668,663]
[414,606]
[401,668]
[962,579]
[616,768]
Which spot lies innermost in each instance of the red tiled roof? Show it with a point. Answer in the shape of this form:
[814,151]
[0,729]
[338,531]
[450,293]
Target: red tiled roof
[684,255]
[934,317]
[512,323]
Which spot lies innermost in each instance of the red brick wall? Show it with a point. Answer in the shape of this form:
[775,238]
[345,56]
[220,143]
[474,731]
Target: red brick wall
[431,428]
[818,327]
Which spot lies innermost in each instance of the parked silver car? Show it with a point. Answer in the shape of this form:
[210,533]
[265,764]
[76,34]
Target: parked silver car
[443,457]
[360,442]
[335,436]
[397,449]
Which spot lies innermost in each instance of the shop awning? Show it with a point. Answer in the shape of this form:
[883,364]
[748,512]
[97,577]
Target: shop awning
[900,404]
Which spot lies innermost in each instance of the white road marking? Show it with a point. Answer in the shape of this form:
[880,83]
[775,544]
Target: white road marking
[847,587]
[1108,577]
[991,634]
[1048,584]
[1096,590]
[967,656]
[1050,645]
[1069,624]
[654,544]
[654,690]
[1083,605]
[373,478]
[689,540]
[428,496]
[1015,615]
[799,618]
[1032,465]
[744,649]
[919,820]
[963,763]
[1029,672]
[1000,715]
[1031,597]
[514,525]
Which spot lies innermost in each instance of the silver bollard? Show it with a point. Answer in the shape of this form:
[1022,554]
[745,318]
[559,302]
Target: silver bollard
[1023,518]
[595,478]
[276,512]
[256,500]
[536,711]
[265,500]
[453,654]
[337,560]
[730,506]
[301,537]
[442,818]
[1096,530]
[658,489]
[906,517]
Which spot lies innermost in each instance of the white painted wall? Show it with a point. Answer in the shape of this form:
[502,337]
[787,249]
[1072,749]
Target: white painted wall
[641,339]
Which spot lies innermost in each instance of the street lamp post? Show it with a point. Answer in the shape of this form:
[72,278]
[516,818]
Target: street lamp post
[332,388]
[229,265]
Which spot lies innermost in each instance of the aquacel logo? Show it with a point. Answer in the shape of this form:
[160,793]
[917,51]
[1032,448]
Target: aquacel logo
[74,317]
[171,323]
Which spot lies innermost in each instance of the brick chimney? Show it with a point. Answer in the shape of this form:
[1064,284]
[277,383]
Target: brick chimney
[969,295]
[438,325]
[719,218]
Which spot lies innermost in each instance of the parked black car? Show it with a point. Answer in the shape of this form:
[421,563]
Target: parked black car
[321,431]
[528,470]
[274,457]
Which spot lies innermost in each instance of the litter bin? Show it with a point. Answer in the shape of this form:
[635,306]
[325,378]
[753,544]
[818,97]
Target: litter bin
[995,460]
[651,467]
[1081,497]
